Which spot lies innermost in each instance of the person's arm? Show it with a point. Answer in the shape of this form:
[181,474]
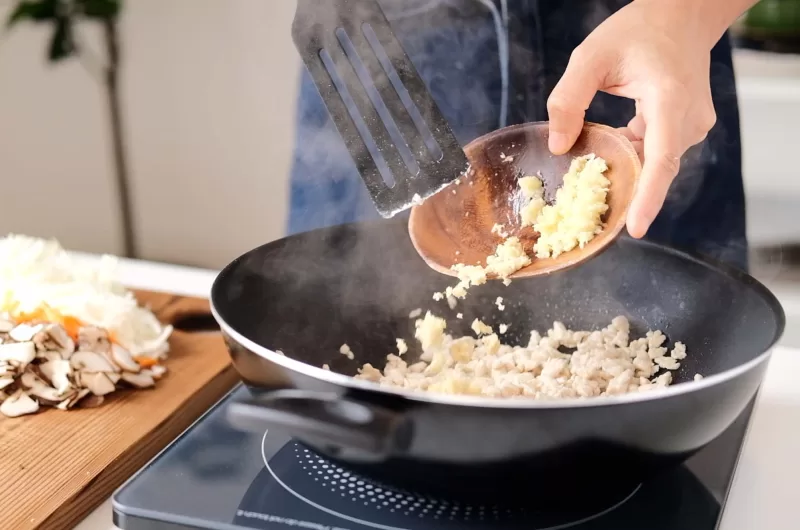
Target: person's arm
[719,15]
[656,52]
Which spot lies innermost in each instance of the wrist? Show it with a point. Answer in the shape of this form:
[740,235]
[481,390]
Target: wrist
[707,19]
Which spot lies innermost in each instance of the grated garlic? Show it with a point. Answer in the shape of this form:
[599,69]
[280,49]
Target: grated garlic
[574,218]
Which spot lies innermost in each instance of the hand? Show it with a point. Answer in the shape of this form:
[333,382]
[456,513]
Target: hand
[656,52]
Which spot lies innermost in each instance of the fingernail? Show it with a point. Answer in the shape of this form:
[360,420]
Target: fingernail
[558,143]
[638,224]
[643,225]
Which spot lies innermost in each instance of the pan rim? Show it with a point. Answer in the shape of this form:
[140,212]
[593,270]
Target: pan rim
[350,383]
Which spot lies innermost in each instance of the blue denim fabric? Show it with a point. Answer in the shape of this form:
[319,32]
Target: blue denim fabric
[454,45]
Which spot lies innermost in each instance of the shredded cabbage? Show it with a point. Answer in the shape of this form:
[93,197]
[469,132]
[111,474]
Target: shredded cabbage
[37,272]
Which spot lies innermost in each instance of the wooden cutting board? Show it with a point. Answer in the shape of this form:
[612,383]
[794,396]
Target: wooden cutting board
[57,466]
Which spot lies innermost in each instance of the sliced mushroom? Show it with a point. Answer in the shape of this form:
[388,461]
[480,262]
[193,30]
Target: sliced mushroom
[36,387]
[18,404]
[72,401]
[114,376]
[24,332]
[49,356]
[122,358]
[157,371]
[5,382]
[30,379]
[58,372]
[6,370]
[18,353]
[94,339]
[6,325]
[140,380]
[87,361]
[91,401]
[98,383]
[107,357]
[54,338]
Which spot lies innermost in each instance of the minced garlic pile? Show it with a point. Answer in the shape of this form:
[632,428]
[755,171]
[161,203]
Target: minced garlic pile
[574,218]
[604,362]
[571,221]
[533,190]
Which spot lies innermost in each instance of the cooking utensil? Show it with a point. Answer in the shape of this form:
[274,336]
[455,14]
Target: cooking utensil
[406,152]
[307,294]
[402,145]
[456,227]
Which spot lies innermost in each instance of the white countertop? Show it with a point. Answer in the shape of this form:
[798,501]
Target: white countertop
[765,492]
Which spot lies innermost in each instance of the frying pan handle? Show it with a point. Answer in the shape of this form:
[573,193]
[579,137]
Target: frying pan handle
[367,431]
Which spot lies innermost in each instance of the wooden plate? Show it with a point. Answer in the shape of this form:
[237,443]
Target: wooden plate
[455,225]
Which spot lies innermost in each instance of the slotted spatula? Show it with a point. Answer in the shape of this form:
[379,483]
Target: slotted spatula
[402,145]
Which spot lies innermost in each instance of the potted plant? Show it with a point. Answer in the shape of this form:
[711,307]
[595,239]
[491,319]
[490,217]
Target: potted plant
[65,18]
[771,25]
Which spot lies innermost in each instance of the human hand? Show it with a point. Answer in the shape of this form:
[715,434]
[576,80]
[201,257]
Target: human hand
[656,52]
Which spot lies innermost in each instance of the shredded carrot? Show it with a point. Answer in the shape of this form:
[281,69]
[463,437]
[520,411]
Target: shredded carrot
[72,325]
[36,314]
[145,362]
[45,313]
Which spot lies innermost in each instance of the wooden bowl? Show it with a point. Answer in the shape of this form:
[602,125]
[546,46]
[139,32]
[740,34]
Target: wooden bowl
[455,225]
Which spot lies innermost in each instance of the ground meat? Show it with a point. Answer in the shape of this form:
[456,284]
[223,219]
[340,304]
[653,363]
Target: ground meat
[604,362]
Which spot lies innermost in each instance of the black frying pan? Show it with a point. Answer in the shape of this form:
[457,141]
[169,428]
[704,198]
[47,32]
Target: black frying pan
[307,294]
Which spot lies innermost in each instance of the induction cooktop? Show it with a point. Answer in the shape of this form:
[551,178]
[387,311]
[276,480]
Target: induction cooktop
[217,477]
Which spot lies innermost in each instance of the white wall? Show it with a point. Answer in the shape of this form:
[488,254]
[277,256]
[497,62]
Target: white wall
[769,96]
[208,89]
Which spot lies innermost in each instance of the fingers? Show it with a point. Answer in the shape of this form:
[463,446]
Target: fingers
[637,126]
[570,98]
[634,132]
[635,140]
[662,151]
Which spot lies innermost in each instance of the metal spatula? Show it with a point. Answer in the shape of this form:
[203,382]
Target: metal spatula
[401,143]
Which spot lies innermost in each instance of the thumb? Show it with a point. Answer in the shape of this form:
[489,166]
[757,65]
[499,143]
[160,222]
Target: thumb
[570,98]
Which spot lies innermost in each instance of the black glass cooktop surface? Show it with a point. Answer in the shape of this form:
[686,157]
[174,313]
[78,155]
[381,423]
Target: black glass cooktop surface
[216,477]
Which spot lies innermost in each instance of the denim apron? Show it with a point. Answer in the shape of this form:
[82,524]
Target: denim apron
[492,63]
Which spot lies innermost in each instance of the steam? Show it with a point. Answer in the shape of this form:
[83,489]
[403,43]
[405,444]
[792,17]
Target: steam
[484,67]
[447,44]
[326,188]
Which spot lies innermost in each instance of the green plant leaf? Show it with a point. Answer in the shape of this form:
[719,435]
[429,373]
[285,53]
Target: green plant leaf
[36,10]
[99,9]
[62,43]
